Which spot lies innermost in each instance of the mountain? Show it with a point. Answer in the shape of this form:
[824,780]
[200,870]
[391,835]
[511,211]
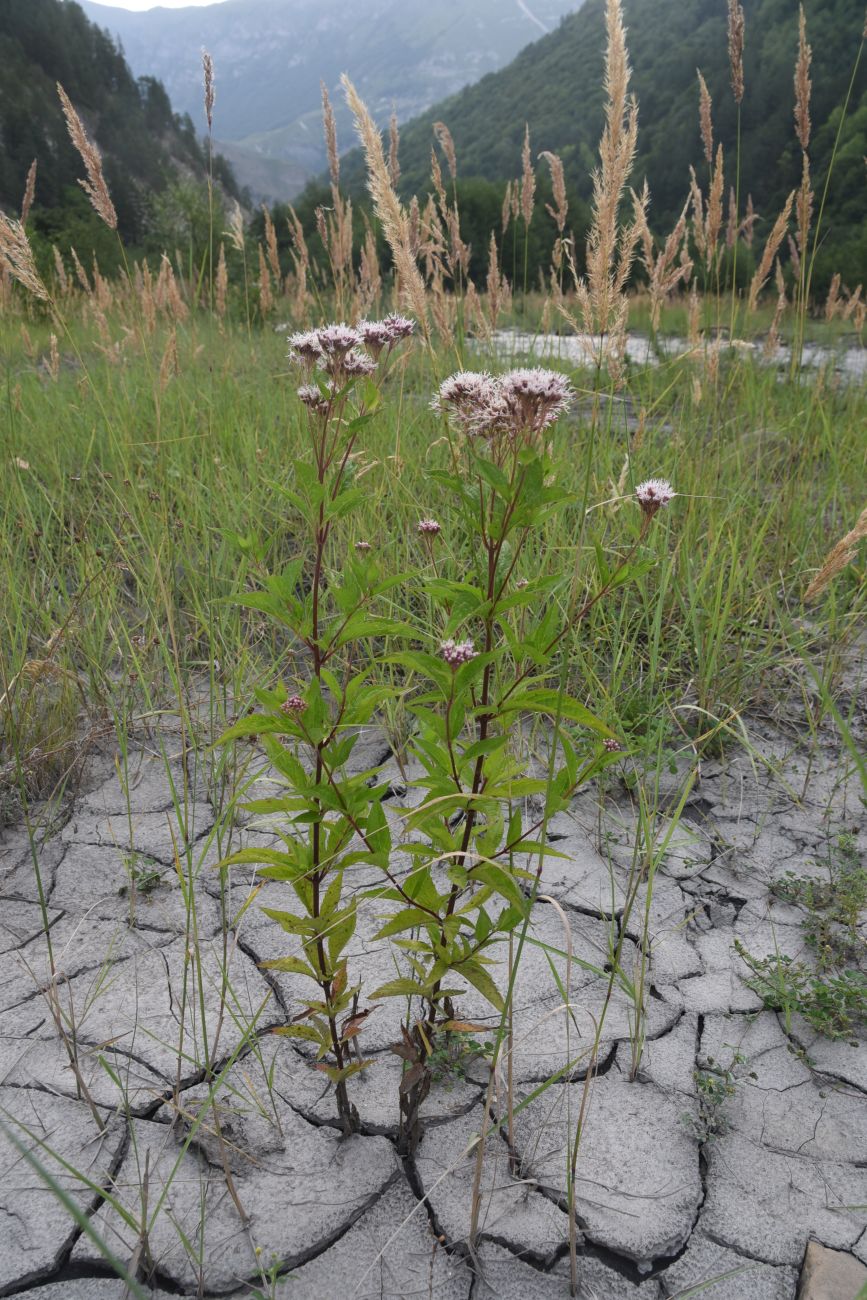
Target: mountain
[270,56]
[147,149]
[555,85]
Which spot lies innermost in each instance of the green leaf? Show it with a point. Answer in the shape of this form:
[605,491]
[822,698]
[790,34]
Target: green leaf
[553,703]
[399,988]
[289,966]
[307,1032]
[473,971]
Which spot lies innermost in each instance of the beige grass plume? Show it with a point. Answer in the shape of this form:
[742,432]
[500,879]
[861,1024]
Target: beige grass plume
[29,192]
[705,119]
[610,246]
[208,74]
[329,127]
[393,150]
[389,210]
[16,257]
[528,178]
[803,88]
[772,247]
[447,144]
[838,558]
[736,48]
[94,187]
[560,209]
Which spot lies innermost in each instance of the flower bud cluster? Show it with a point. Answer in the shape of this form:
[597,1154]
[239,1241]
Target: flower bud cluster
[456,653]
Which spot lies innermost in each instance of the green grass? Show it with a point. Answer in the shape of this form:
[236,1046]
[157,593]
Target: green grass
[140,512]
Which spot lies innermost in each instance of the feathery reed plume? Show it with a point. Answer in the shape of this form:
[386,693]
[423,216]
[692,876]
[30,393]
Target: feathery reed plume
[414,225]
[393,150]
[713,224]
[693,331]
[369,278]
[147,300]
[506,214]
[29,191]
[169,365]
[94,187]
[803,88]
[667,269]
[266,300]
[732,219]
[698,226]
[52,361]
[772,342]
[610,247]
[436,176]
[528,179]
[329,126]
[388,208]
[748,222]
[16,257]
[499,294]
[80,273]
[221,286]
[271,243]
[447,144]
[838,558]
[558,184]
[60,270]
[803,84]
[301,259]
[832,303]
[704,118]
[235,231]
[772,247]
[736,48]
[208,73]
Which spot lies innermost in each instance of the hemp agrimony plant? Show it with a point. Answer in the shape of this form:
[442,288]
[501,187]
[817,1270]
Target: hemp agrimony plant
[496,657]
[327,601]
[497,661]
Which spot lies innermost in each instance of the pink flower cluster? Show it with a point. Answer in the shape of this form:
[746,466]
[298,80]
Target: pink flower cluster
[428,527]
[294,704]
[653,493]
[345,351]
[456,653]
[521,401]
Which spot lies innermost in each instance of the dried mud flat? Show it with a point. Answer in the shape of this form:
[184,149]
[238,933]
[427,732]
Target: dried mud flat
[666,1200]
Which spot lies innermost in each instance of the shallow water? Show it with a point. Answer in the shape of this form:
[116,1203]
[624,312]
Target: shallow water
[581,349]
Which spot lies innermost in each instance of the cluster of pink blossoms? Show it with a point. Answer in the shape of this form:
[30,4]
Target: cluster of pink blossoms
[456,653]
[521,401]
[653,493]
[428,527]
[344,352]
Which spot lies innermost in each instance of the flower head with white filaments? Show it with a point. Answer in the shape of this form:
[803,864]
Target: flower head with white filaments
[654,493]
[520,401]
[304,347]
[428,527]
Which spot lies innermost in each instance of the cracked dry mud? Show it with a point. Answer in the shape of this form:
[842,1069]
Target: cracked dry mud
[153,972]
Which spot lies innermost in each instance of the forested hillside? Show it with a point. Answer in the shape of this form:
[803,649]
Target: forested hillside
[555,85]
[154,162]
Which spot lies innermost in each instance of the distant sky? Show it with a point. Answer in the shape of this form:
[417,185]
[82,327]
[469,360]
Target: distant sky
[138,5]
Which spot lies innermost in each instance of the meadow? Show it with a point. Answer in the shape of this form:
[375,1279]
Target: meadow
[432,779]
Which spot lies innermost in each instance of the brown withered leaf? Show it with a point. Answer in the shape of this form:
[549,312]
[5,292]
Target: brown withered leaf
[412,1076]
